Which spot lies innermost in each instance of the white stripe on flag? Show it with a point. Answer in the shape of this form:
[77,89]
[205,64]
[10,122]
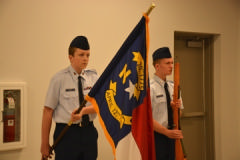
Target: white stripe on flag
[127,149]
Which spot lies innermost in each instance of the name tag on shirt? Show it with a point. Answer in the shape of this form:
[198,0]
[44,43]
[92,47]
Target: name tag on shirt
[158,96]
[70,89]
[87,88]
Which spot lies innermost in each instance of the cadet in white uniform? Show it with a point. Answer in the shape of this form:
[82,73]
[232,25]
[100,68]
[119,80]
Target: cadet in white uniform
[62,100]
[162,112]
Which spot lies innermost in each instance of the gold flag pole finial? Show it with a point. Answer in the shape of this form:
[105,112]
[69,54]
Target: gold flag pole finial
[150,9]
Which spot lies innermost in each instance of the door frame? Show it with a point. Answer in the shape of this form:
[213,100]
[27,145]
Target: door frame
[208,57]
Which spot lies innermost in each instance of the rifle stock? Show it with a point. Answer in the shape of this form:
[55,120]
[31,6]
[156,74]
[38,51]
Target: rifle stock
[179,149]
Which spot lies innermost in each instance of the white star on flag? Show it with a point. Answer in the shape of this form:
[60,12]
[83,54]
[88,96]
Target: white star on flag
[130,89]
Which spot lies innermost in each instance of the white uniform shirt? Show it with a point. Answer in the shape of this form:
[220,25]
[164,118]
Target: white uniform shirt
[62,95]
[159,101]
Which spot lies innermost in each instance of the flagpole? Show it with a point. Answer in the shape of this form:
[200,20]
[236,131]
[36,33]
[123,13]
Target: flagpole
[65,129]
[150,9]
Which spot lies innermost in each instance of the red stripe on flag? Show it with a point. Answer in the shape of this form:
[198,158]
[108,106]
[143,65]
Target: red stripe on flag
[142,129]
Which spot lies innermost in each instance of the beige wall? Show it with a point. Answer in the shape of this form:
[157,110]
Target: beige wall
[34,37]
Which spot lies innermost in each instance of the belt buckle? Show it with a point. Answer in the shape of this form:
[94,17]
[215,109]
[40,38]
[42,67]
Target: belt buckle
[83,124]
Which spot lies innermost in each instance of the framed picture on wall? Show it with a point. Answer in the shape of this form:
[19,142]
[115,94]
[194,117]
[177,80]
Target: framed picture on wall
[13,117]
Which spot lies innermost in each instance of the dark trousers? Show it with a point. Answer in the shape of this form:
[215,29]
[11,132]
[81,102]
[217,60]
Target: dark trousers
[164,146]
[78,143]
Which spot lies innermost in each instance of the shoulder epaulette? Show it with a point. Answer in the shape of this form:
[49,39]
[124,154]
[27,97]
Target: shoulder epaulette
[90,71]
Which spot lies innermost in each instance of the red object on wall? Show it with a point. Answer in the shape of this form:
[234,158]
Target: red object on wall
[9,128]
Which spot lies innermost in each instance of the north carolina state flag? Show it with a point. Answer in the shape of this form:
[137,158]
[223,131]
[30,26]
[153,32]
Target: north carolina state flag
[121,98]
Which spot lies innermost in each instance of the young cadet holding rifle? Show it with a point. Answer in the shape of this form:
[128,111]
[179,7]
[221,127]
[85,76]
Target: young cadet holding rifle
[65,94]
[161,100]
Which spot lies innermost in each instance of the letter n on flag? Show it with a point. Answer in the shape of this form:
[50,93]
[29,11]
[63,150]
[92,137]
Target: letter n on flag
[121,98]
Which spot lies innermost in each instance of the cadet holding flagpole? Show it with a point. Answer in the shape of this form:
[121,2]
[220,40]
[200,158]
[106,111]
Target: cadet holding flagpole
[65,93]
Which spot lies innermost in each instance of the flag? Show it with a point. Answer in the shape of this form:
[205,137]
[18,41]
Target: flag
[121,97]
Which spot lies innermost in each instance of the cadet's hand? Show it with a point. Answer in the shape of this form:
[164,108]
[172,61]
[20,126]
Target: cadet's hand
[177,104]
[174,134]
[76,116]
[45,152]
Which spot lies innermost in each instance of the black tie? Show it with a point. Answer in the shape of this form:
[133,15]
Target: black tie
[85,118]
[169,108]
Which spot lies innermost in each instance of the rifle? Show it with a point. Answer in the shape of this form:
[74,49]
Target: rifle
[65,129]
[179,148]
